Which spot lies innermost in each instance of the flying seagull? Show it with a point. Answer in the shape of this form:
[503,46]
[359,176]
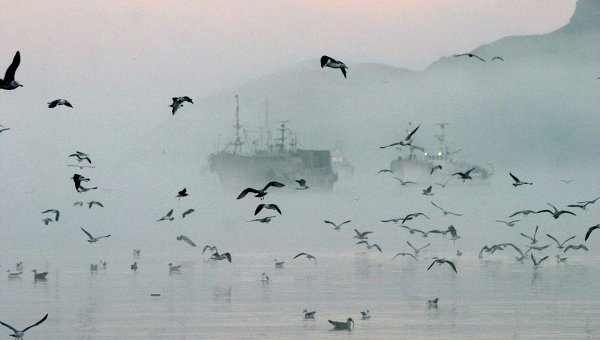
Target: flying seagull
[508,223]
[522,255]
[589,232]
[404,182]
[518,181]
[54,211]
[178,102]
[523,212]
[81,157]
[497,58]
[90,203]
[432,303]
[386,171]
[540,248]
[308,256]
[56,102]
[337,226]
[47,220]
[567,181]
[412,216]
[260,193]
[93,239]
[453,234]
[342,326]
[414,230]
[427,192]
[172,268]
[560,245]
[442,261]
[167,216]
[187,212]
[9,82]
[556,213]
[445,183]
[330,62]
[464,175]
[533,239]
[405,254]
[182,193]
[470,55]
[446,212]
[419,249]
[218,257]
[406,141]
[302,184]
[570,246]
[186,240]
[19,334]
[211,248]
[77,179]
[370,246]
[537,263]
[263,220]
[363,235]
[437,167]
[266,206]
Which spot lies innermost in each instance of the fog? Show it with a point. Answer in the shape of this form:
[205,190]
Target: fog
[534,114]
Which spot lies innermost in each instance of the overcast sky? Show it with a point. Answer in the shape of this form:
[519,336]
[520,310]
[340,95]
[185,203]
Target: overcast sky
[223,43]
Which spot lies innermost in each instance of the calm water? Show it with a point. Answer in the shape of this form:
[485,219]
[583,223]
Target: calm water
[493,297]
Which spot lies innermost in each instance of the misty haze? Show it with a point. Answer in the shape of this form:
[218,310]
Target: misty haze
[221,170]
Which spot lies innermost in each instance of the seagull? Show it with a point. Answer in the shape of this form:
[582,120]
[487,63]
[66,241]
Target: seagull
[589,232]
[414,230]
[77,179]
[437,167]
[337,226]
[79,203]
[453,234]
[522,255]
[567,181]
[278,264]
[445,211]
[518,181]
[260,193]
[365,315]
[464,175]
[9,82]
[90,203]
[93,267]
[173,268]
[405,254]
[137,252]
[497,58]
[404,182]
[442,261]
[211,248]
[491,249]
[265,278]
[266,206]
[19,334]
[369,246]
[470,55]
[458,252]
[395,220]
[570,246]
[302,184]
[445,183]
[363,235]
[263,220]
[47,220]
[338,325]
[134,266]
[540,248]
[560,259]
[330,62]
[432,303]
[187,212]
[182,193]
[417,250]
[308,256]
[178,102]
[560,245]
[186,240]
[427,192]
[509,223]
[556,213]
[523,212]
[84,189]
[81,157]
[93,239]
[406,141]
[584,204]
[167,216]
[15,275]
[309,315]
[386,171]
[412,216]
[217,257]
[39,276]
[533,239]
[54,211]
[4,129]
[537,263]
[56,102]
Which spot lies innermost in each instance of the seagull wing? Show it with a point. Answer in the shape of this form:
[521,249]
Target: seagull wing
[410,245]
[105,236]
[187,212]
[378,248]
[10,71]
[341,224]
[300,255]
[9,326]
[324,60]
[515,247]
[228,256]
[428,244]
[412,133]
[170,213]
[246,191]
[387,146]
[188,241]
[88,234]
[437,206]
[452,265]
[567,240]
[273,184]
[564,212]
[589,232]
[53,104]
[531,238]
[258,209]
[276,208]
[542,260]
[478,57]
[514,178]
[432,263]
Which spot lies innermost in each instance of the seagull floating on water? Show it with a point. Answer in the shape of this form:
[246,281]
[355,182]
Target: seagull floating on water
[39,276]
[56,102]
[433,303]
[47,220]
[330,62]
[278,264]
[309,315]
[178,102]
[365,315]
[260,193]
[19,334]
[9,82]
[173,268]
[342,326]
[134,266]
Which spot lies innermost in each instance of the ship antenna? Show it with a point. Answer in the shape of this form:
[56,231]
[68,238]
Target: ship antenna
[282,130]
[237,145]
[442,136]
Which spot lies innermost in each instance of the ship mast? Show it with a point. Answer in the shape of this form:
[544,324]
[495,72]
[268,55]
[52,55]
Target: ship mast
[442,137]
[237,145]
[268,132]
[281,139]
